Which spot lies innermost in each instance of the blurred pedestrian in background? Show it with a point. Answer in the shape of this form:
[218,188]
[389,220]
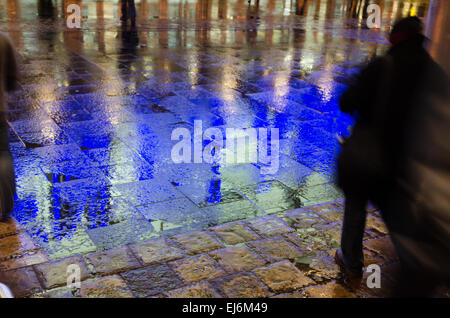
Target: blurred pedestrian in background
[387,157]
[8,82]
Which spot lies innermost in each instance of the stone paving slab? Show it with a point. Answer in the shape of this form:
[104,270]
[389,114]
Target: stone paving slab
[196,290]
[196,268]
[283,277]
[156,250]
[54,273]
[105,287]
[113,260]
[196,242]
[234,233]
[243,285]
[151,280]
[237,259]
[259,257]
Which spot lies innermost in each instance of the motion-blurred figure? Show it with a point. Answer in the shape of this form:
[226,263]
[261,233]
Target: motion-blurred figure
[8,82]
[385,158]
[418,212]
[128,11]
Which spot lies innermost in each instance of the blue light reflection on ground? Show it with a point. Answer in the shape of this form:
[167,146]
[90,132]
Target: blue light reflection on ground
[91,126]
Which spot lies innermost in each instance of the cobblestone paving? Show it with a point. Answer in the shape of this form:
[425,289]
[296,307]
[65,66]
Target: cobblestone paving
[90,133]
[267,256]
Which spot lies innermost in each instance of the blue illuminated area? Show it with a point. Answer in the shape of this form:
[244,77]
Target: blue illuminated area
[90,127]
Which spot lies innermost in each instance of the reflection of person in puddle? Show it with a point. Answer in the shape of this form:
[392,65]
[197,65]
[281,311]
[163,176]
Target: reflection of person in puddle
[129,43]
[128,11]
[8,82]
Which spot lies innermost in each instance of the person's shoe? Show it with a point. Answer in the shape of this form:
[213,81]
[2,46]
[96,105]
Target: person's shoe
[351,277]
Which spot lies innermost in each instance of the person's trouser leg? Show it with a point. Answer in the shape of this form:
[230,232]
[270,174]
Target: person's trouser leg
[4,142]
[7,179]
[353,231]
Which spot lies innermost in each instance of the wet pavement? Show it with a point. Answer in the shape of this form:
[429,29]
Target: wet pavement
[285,255]
[90,133]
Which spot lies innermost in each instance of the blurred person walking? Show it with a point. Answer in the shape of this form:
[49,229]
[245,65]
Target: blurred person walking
[8,82]
[374,163]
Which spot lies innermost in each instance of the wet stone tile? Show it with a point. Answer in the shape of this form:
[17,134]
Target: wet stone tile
[383,247]
[128,172]
[94,140]
[115,118]
[232,211]
[132,129]
[156,250]
[177,211]
[66,111]
[197,268]
[282,277]
[324,266]
[70,170]
[331,211]
[147,191]
[106,156]
[243,285]
[294,175]
[185,174]
[151,280]
[276,249]
[16,245]
[333,232]
[61,292]
[372,258]
[27,259]
[271,197]
[59,153]
[22,282]
[98,212]
[212,192]
[295,294]
[80,190]
[87,128]
[113,260]
[234,233]
[196,290]
[64,240]
[330,290]
[237,259]
[196,242]
[39,139]
[312,240]
[9,227]
[268,226]
[387,286]
[302,219]
[125,232]
[376,225]
[105,287]
[34,125]
[55,273]
[319,194]
[244,174]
